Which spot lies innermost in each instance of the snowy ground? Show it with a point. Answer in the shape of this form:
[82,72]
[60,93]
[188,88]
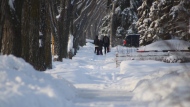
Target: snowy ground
[89,80]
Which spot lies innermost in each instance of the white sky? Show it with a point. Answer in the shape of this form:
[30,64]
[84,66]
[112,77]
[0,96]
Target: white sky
[89,80]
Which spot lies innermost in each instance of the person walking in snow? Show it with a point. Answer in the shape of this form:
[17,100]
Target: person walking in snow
[100,45]
[96,42]
[106,43]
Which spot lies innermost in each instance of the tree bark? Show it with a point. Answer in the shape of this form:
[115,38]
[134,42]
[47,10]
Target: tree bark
[10,26]
[112,23]
[44,37]
[1,22]
[47,41]
[30,31]
[67,21]
[59,37]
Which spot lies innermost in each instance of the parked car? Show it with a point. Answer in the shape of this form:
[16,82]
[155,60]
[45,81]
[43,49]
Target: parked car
[131,40]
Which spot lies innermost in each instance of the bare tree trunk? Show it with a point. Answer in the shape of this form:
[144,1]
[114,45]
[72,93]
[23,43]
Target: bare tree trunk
[24,30]
[53,25]
[112,23]
[44,37]
[30,31]
[68,13]
[59,37]
[10,32]
[47,41]
[71,53]
[1,22]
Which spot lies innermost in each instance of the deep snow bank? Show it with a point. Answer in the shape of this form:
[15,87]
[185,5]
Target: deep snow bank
[22,86]
[173,44]
[161,84]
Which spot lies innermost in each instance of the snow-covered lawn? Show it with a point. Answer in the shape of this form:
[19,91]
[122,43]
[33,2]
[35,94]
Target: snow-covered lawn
[89,80]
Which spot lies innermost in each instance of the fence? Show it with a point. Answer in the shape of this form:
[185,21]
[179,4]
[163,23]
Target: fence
[123,54]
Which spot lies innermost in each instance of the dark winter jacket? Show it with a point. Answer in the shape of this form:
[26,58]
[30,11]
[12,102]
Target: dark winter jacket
[96,41]
[100,44]
[106,41]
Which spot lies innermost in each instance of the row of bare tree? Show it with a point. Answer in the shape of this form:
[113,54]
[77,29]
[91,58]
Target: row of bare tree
[27,28]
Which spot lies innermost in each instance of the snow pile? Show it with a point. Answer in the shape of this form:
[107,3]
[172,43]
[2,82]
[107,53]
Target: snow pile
[173,44]
[175,58]
[158,83]
[174,48]
[22,86]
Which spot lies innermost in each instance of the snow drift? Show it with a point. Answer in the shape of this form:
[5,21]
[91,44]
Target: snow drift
[22,86]
[160,84]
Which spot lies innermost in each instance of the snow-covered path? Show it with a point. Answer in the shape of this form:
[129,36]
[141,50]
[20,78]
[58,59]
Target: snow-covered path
[102,98]
[135,83]
[94,76]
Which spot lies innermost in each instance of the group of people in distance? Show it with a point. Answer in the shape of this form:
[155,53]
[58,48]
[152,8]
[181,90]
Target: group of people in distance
[99,43]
